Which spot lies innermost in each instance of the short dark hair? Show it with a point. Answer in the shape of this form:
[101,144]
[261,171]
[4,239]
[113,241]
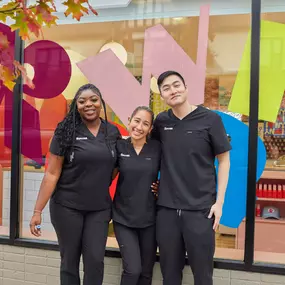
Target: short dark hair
[166,74]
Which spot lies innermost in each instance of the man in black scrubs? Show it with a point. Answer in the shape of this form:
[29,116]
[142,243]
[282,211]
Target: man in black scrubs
[189,210]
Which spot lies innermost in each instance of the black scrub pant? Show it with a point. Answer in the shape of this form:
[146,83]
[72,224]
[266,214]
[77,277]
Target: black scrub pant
[182,231]
[138,249]
[80,232]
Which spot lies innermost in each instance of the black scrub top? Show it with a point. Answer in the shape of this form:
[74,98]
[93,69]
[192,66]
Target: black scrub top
[134,203]
[84,182]
[189,147]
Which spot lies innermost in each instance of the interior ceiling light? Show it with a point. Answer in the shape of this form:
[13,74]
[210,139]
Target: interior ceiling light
[107,4]
[178,18]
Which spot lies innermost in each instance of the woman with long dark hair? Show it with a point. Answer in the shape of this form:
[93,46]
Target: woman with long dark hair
[77,179]
[134,207]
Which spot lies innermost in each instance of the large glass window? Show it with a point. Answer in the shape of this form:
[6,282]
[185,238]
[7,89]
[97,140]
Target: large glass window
[270,189]
[145,38]
[6,106]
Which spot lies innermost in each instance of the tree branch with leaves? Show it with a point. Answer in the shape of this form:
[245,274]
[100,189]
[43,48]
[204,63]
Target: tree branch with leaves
[29,20]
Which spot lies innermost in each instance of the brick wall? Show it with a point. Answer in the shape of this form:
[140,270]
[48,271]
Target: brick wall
[25,266]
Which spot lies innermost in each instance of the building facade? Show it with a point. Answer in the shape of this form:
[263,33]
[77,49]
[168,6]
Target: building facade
[232,55]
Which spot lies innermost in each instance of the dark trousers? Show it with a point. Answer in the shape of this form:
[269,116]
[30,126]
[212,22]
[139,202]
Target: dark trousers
[80,232]
[138,250]
[181,231]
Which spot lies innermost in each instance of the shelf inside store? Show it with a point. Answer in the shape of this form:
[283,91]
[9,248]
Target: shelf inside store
[273,174]
[271,199]
[271,221]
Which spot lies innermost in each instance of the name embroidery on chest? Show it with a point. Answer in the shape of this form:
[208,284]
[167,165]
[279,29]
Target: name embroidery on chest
[81,138]
[124,155]
[168,128]
[148,158]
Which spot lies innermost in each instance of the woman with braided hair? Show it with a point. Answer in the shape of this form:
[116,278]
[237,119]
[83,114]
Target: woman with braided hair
[77,179]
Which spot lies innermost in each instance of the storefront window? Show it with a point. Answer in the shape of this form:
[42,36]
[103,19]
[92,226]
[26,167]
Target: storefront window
[224,66]
[145,40]
[6,106]
[270,189]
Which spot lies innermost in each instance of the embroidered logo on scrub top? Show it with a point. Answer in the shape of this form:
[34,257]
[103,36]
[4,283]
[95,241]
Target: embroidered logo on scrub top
[168,128]
[125,155]
[82,138]
[148,158]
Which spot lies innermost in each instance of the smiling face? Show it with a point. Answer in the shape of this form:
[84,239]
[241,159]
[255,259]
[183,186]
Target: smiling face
[173,91]
[140,125]
[89,105]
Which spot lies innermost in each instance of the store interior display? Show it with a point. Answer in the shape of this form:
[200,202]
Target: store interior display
[270,214]
[212,93]
[270,190]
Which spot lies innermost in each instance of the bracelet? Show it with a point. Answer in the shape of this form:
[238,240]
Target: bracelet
[37,211]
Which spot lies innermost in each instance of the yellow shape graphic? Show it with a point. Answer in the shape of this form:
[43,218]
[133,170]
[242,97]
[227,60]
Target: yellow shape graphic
[157,104]
[272,74]
[77,78]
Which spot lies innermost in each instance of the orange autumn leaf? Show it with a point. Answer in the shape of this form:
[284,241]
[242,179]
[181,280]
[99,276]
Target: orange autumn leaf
[44,14]
[75,8]
[7,77]
[21,25]
[33,26]
[6,56]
